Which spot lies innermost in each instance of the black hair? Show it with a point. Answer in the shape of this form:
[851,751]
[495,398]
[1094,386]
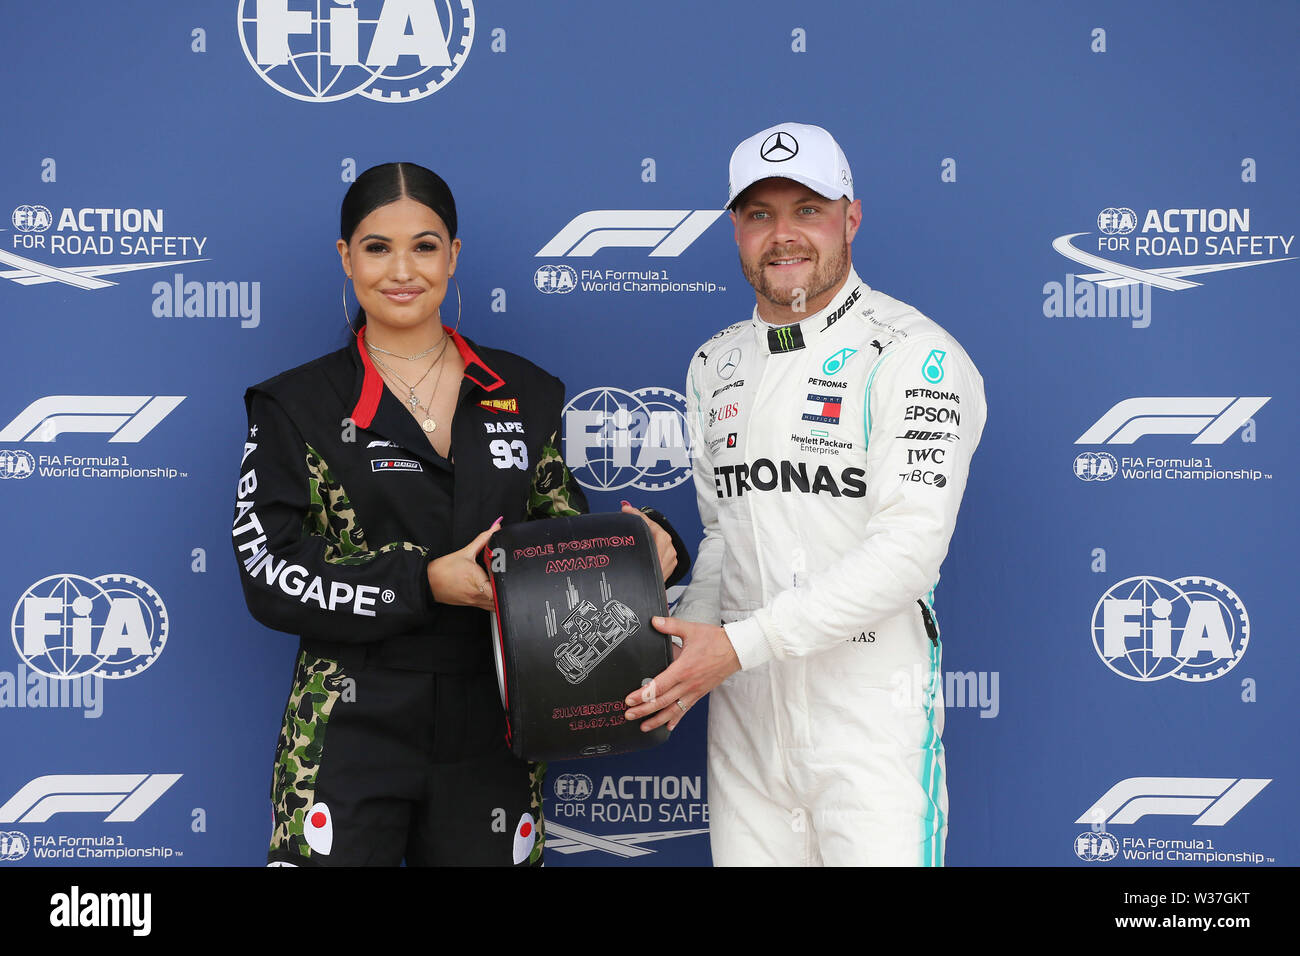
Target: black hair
[380,185]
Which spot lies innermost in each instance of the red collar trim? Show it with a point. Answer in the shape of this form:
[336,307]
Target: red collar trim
[485,378]
[372,387]
[372,384]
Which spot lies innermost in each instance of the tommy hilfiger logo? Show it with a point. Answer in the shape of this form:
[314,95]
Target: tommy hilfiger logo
[823,408]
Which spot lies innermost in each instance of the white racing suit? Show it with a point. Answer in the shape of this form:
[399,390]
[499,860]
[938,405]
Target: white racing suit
[830,460]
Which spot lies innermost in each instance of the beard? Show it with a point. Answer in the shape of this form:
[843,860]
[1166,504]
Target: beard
[827,274]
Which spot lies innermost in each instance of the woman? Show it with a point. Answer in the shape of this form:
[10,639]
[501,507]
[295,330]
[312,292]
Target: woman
[371,479]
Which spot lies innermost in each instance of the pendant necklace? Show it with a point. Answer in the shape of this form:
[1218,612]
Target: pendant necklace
[428,424]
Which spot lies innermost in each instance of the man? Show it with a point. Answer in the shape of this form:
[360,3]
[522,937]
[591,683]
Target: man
[832,434]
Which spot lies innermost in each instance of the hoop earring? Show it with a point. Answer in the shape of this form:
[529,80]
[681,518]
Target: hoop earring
[458,303]
[347,319]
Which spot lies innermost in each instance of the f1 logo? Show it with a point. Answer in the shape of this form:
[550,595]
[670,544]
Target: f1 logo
[123,796]
[1212,800]
[666,232]
[127,418]
[1211,420]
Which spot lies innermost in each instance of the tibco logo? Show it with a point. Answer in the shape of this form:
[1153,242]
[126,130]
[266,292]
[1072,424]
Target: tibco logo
[66,626]
[394,51]
[614,439]
[1146,629]
[667,231]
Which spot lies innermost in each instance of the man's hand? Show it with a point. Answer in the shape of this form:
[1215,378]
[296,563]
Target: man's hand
[458,578]
[706,660]
[662,540]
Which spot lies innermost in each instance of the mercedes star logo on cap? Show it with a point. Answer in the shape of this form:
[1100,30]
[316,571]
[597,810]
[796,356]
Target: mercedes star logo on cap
[779,147]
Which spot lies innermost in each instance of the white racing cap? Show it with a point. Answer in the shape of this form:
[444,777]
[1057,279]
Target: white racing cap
[806,154]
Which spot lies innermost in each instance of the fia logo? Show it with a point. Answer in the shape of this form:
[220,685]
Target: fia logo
[393,51]
[1146,628]
[551,279]
[66,626]
[615,439]
[1095,466]
[573,786]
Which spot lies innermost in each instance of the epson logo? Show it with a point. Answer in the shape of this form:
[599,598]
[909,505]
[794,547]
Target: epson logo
[125,418]
[767,475]
[1212,420]
[666,232]
[930,414]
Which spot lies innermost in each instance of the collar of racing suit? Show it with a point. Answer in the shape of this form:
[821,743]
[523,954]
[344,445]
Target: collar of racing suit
[793,337]
[370,385]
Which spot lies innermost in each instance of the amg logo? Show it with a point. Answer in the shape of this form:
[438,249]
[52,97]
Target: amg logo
[766,475]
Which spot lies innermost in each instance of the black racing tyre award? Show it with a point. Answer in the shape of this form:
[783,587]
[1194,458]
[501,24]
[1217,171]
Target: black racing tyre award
[572,634]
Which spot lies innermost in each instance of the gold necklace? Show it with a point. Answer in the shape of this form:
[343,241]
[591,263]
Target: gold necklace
[429,424]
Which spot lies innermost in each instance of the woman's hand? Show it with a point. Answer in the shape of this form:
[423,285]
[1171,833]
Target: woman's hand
[458,578]
[663,542]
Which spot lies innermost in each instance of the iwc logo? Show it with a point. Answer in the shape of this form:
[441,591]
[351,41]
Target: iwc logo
[394,51]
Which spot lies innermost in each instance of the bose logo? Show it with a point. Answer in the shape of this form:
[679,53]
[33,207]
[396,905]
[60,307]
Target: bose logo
[1211,420]
[1212,800]
[127,418]
[123,796]
[666,232]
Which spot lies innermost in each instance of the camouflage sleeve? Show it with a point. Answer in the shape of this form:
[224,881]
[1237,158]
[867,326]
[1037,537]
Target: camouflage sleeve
[554,493]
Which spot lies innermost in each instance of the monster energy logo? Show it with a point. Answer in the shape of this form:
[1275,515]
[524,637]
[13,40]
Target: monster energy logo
[788,338]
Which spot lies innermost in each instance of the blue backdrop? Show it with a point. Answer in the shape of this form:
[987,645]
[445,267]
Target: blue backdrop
[1098,200]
